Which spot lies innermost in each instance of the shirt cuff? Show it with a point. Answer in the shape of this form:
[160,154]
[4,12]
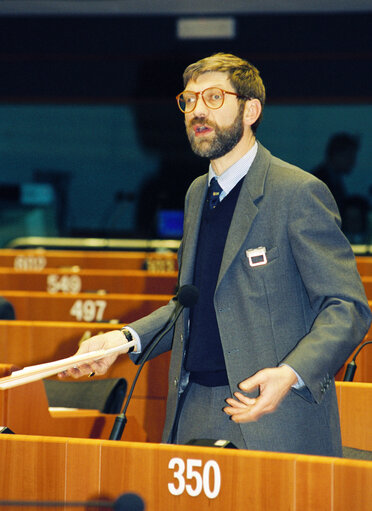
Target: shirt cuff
[136,338]
[300,382]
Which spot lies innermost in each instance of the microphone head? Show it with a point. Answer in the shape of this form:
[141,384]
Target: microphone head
[129,502]
[188,295]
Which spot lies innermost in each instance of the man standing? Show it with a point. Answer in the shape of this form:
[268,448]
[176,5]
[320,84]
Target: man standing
[281,304]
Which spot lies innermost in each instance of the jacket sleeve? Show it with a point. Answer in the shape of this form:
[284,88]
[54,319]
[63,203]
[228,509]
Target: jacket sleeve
[149,326]
[336,295]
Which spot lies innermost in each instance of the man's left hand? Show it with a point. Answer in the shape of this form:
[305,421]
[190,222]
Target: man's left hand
[273,383]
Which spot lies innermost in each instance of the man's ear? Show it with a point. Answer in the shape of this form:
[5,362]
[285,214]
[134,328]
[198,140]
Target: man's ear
[252,111]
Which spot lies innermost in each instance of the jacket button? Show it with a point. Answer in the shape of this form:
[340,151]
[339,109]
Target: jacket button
[175,382]
[181,337]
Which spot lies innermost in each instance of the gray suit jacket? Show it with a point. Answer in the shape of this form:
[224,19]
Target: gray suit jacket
[306,307]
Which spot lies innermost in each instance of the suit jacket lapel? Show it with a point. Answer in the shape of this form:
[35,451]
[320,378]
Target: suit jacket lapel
[191,228]
[246,208]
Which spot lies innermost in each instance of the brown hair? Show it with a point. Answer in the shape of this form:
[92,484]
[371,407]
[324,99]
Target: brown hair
[244,77]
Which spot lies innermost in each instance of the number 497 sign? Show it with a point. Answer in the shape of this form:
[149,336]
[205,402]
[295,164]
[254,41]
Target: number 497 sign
[194,478]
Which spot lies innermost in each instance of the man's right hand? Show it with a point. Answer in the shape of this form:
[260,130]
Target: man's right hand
[98,342]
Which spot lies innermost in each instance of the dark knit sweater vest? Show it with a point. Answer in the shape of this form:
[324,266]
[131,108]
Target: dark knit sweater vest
[204,358]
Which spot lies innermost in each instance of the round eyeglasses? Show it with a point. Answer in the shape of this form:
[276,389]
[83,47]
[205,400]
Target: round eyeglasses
[213,98]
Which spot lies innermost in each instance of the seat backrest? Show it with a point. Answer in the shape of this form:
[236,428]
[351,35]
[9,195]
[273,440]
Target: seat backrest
[106,395]
[6,309]
[356,454]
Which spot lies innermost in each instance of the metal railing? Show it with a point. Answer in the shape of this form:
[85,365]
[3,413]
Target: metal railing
[145,245]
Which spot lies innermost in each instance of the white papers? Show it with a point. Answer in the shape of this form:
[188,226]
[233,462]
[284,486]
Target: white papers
[40,371]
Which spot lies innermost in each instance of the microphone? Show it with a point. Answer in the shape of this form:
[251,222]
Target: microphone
[187,297]
[351,367]
[129,502]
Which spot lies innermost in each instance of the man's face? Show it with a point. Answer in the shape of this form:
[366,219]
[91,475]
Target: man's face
[214,133]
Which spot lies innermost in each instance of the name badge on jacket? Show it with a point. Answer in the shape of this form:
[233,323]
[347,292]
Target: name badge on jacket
[256,256]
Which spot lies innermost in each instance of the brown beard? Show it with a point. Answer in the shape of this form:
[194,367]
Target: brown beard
[223,140]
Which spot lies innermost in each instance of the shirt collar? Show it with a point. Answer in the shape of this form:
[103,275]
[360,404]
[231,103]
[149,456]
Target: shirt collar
[235,173]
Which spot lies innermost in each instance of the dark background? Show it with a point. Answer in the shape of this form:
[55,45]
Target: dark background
[104,58]
[138,60]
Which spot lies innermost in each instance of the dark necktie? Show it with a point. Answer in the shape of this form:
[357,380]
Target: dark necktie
[214,191]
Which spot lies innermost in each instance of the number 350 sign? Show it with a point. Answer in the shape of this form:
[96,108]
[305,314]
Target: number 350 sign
[194,478]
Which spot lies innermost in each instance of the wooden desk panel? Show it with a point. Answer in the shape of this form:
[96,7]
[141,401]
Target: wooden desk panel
[38,259]
[364,264]
[367,283]
[80,281]
[355,407]
[74,469]
[87,307]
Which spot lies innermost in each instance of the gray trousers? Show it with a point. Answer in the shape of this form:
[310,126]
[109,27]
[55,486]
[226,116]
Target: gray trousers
[201,416]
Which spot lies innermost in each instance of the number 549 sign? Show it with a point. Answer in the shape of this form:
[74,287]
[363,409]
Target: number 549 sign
[195,478]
